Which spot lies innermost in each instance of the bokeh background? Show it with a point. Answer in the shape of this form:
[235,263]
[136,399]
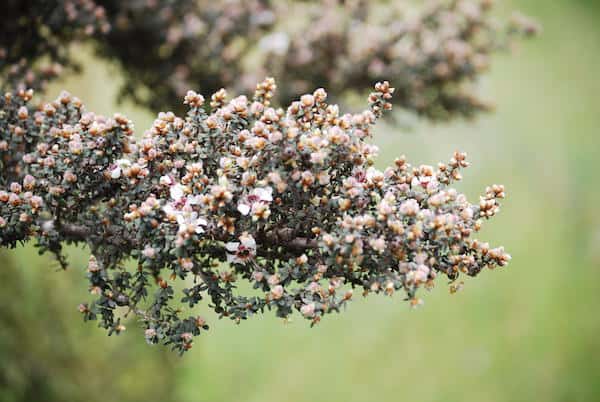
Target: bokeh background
[528,332]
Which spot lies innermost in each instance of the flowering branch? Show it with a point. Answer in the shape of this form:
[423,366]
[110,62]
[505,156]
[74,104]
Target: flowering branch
[288,201]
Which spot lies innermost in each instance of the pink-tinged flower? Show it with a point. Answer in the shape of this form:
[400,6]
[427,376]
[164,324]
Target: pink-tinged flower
[318,158]
[93,265]
[29,182]
[277,292]
[75,145]
[275,136]
[324,178]
[150,333]
[274,280]
[28,158]
[171,211]
[149,252]
[385,207]
[314,287]
[16,188]
[261,195]
[187,264]
[410,207]
[195,168]
[353,187]
[308,310]
[14,200]
[23,113]
[243,162]
[279,183]
[69,177]
[36,202]
[242,251]
[420,273]
[378,244]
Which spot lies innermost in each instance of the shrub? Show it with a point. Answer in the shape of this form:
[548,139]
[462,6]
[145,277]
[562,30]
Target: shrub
[433,55]
[243,203]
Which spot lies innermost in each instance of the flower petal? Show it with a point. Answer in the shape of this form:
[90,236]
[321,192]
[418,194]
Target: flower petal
[177,192]
[244,209]
[232,246]
[115,173]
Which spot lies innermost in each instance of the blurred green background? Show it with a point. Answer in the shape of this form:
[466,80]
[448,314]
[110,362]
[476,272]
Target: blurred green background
[529,332]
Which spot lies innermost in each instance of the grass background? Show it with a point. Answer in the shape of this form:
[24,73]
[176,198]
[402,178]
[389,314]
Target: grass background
[526,332]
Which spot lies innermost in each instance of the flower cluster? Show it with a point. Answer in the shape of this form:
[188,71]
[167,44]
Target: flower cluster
[237,191]
[52,159]
[433,55]
[35,37]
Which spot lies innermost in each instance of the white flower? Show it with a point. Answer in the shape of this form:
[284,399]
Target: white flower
[467,214]
[120,165]
[170,210]
[264,193]
[225,163]
[426,182]
[189,222]
[194,200]
[166,181]
[115,173]
[47,226]
[177,192]
[324,178]
[318,158]
[242,251]
[260,195]
[244,208]
[374,175]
